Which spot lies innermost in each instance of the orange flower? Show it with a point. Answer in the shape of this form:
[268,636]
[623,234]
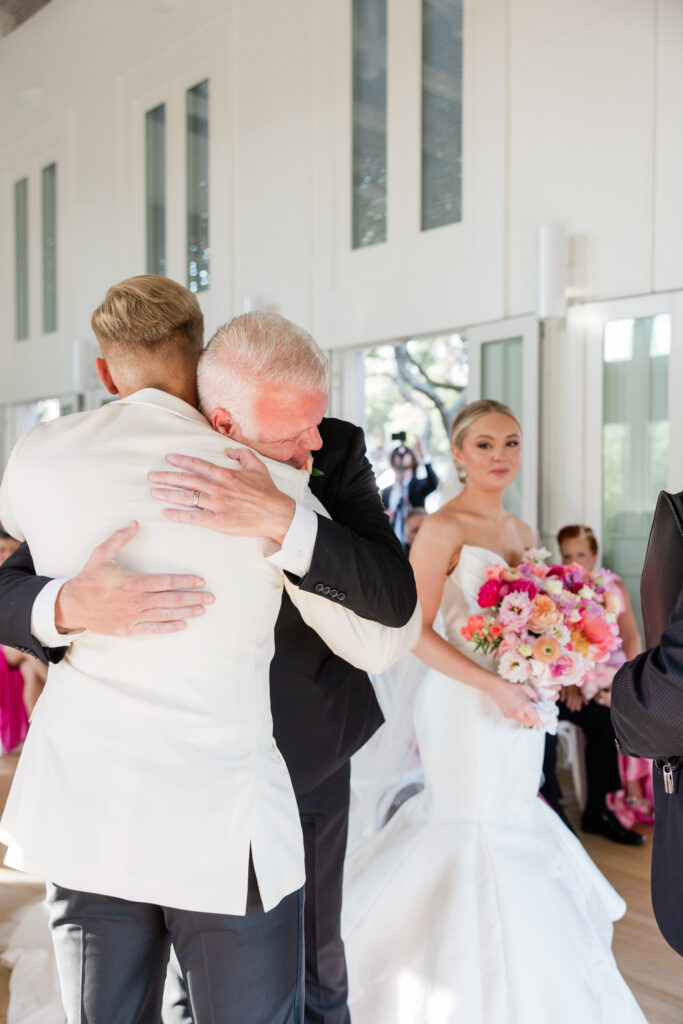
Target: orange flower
[546,649]
[580,643]
[544,614]
[598,634]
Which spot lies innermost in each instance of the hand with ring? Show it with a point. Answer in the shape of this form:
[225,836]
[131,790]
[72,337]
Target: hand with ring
[243,502]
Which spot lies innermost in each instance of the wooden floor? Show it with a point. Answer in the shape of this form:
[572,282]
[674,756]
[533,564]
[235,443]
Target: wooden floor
[652,969]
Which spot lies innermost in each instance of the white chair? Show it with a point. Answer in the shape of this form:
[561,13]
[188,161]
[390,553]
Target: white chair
[571,754]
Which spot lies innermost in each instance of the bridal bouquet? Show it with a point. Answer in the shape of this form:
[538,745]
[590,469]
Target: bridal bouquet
[548,625]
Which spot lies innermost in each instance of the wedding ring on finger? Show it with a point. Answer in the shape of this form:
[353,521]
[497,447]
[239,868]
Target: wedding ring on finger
[195,499]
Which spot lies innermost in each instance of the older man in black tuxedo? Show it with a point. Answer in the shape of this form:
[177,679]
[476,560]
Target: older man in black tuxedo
[323,708]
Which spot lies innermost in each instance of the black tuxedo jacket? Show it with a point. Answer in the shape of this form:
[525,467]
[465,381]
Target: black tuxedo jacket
[323,708]
[647,707]
[418,488]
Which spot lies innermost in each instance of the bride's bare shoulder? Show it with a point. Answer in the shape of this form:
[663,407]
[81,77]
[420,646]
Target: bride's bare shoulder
[441,537]
[526,535]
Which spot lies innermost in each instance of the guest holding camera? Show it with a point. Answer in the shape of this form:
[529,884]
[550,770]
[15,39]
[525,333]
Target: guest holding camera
[408,491]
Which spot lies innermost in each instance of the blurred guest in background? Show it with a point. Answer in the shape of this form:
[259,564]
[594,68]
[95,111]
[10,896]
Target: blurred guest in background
[413,520]
[589,709]
[14,666]
[408,490]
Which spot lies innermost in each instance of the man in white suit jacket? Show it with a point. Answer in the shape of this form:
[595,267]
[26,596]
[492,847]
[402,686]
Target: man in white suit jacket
[150,791]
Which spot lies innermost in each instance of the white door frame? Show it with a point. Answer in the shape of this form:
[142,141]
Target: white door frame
[587,324]
[526,328]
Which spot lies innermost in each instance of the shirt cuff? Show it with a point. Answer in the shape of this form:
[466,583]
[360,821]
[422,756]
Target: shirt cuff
[296,552]
[43,617]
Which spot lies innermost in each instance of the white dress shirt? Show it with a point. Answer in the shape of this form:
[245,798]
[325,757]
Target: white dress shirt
[150,767]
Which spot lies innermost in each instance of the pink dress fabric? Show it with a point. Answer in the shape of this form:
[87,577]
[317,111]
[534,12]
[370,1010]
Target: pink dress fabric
[13,718]
[629,767]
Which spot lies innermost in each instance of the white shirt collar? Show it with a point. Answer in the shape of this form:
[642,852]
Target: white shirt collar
[163,400]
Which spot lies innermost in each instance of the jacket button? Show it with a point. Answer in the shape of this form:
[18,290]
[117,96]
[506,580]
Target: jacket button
[326,591]
[318,588]
[341,595]
[333,592]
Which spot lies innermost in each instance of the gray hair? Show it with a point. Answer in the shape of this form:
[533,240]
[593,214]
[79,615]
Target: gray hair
[251,352]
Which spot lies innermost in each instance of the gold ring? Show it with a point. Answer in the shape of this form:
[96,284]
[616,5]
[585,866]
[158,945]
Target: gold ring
[195,499]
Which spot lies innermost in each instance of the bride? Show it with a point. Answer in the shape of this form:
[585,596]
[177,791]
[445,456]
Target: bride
[475,904]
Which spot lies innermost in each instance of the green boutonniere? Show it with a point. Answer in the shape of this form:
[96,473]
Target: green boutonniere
[317,472]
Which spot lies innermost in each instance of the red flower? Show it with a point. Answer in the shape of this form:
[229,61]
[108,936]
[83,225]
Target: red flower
[524,586]
[489,594]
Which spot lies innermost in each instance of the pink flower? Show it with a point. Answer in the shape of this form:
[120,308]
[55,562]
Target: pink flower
[524,587]
[512,637]
[514,611]
[489,594]
[599,635]
[570,668]
[494,572]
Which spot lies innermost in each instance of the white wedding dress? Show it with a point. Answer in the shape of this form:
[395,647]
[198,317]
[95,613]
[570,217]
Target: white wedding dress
[475,904]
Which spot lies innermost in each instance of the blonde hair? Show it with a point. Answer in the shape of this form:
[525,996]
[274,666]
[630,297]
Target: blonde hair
[468,415]
[152,314]
[250,353]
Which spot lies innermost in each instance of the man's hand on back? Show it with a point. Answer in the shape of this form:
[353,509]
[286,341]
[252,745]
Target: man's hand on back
[243,503]
[108,599]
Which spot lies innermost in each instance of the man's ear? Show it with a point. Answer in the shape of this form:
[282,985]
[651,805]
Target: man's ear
[105,376]
[223,422]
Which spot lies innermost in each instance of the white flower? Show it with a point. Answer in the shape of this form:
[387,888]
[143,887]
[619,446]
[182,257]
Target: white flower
[535,555]
[551,585]
[587,592]
[513,667]
[560,633]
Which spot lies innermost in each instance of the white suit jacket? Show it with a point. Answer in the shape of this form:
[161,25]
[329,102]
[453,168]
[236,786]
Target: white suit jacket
[150,767]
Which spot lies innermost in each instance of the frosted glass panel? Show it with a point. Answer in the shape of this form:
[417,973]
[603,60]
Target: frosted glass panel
[49,215]
[501,379]
[369,122]
[198,251]
[635,442]
[441,112]
[21,259]
[155,197]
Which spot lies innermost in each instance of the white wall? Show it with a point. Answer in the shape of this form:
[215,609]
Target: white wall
[571,115]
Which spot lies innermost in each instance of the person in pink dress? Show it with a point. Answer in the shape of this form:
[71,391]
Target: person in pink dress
[633,803]
[13,716]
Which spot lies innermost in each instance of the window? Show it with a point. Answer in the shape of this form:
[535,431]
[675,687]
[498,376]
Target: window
[441,113]
[49,218]
[198,251]
[369,142]
[21,259]
[635,439]
[155,184]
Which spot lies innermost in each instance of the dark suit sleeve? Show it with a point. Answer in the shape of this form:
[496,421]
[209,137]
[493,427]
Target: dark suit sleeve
[420,487]
[356,552]
[647,696]
[19,587]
